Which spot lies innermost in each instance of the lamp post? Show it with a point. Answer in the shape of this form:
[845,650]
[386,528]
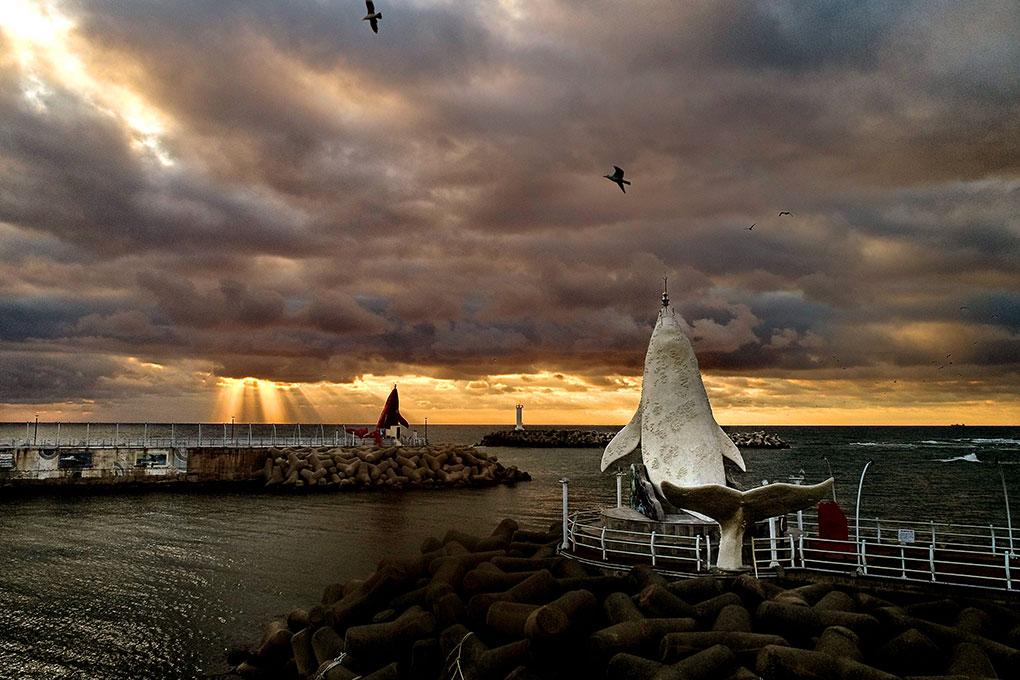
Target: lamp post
[1009,517]
[857,509]
[566,544]
[619,487]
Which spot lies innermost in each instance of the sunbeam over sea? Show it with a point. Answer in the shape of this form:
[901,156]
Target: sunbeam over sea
[157,584]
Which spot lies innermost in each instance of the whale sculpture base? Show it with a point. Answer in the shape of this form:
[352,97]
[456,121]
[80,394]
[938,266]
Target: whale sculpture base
[737,510]
[680,524]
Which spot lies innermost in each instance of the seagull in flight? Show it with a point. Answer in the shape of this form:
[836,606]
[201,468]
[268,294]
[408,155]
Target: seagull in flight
[785,212]
[751,227]
[372,17]
[618,178]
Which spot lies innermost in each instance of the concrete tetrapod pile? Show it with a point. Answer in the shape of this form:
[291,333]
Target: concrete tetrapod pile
[506,607]
[393,466]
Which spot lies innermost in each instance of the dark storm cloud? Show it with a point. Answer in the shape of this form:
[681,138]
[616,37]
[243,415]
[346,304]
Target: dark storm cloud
[430,199]
[27,378]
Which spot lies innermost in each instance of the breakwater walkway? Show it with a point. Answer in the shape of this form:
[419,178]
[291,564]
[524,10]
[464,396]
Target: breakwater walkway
[509,606]
[547,438]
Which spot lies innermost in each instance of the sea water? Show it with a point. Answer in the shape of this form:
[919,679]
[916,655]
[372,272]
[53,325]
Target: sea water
[157,584]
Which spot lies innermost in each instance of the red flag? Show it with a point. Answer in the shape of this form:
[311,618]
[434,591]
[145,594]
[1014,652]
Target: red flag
[390,415]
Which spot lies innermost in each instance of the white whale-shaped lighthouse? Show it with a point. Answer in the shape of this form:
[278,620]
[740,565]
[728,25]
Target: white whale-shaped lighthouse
[683,447]
[680,440]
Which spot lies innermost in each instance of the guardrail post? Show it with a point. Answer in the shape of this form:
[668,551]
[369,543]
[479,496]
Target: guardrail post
[566,544]
[991,530]
[793,554]
[697,551]
[651,544]
[58,435]
[800,547]
[619,487]
[773,548]
[931,561]
[1009,579]
[903,562]
[878,530]
[708,551]
[862,547]
[933,532]
[603,539]
[88,434]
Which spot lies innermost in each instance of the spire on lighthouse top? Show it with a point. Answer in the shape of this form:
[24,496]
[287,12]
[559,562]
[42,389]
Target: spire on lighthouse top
[665,294]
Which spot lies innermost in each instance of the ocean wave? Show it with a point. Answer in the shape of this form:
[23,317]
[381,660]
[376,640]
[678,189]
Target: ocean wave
[995,441]
[930,441]
[969,458]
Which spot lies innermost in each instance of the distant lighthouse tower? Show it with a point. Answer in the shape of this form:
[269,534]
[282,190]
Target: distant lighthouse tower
[520,417]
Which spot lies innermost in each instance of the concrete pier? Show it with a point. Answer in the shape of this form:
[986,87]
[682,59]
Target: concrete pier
[87,466]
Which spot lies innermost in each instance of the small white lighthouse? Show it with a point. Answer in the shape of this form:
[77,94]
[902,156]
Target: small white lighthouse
[520,417]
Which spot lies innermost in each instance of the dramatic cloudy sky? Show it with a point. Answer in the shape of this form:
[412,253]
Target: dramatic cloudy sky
[261,209]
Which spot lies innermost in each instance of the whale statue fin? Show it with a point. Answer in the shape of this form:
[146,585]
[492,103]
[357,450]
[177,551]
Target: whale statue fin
[730,450]
[625,441]
[721,502]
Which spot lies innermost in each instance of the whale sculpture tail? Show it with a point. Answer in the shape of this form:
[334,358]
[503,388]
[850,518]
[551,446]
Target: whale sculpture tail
[736,510]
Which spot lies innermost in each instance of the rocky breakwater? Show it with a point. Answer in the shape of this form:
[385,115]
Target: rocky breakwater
[506,607]
[757,440]
[386,467]
[560,439]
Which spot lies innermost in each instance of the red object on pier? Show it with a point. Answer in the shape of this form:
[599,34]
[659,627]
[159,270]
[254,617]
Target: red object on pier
[832,525]
[390,415]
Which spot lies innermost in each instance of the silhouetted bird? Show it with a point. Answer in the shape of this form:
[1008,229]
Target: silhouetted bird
[751,227]
[372,17]
[618,178]
[785,212]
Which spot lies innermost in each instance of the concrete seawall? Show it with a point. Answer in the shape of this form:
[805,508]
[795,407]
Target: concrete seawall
[26,467]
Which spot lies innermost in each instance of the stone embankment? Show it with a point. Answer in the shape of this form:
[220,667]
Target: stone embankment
[561,439]
[594,439]
[506,607]
[757,440]
[386,467]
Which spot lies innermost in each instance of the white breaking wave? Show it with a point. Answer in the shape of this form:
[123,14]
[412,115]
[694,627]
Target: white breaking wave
[996,441]
[969,458]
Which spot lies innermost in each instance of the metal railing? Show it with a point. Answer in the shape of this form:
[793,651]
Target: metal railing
[213,439]
[960,555]
[618,547]
[969,565]
[997,539]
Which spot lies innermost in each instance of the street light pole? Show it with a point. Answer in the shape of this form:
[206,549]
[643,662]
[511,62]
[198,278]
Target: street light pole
[857,509]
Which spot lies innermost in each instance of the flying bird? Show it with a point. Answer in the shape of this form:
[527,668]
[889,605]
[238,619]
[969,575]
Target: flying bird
[965,307]
[785,212]
[618,178]
[751,227]
[372,17]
